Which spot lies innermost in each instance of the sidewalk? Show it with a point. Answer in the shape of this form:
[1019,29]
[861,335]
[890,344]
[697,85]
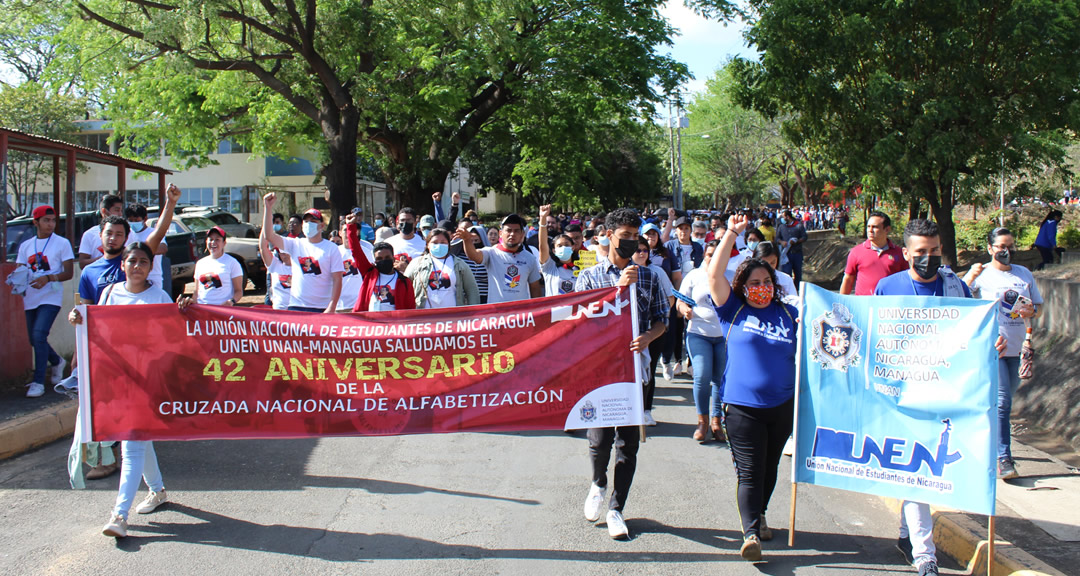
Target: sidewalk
[27,423]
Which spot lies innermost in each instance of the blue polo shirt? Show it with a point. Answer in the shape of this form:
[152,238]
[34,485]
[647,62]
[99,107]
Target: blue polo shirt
[97,276]
[760,372]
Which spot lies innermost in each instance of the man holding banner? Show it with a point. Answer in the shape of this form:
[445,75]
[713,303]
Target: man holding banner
[898,393]
[652,313]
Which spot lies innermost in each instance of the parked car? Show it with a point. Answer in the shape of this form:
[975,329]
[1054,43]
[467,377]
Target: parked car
[22,228]
[244,250]
[229,223]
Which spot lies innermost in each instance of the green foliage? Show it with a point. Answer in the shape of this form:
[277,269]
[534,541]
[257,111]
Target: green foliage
[920,96]
[1068,237]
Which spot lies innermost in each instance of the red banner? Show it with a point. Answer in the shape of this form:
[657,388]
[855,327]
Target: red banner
[152,372]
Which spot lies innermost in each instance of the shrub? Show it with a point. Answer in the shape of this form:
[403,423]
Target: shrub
[1069,238]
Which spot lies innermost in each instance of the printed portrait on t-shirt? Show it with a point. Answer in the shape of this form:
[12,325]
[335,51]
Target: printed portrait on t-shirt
[310,265]
[438,279]
[384,295]
[350,269]
[38,262]
[512,276]
[403,256]
[210,281]
[285,280]
[1008,302]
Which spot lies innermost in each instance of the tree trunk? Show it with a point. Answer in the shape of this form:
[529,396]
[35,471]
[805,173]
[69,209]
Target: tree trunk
[913,209]
[937,195]
[340,170]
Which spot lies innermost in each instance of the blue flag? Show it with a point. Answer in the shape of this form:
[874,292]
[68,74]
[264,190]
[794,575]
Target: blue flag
[898,397]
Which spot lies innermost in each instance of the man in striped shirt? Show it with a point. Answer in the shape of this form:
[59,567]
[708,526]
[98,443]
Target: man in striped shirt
[653,310]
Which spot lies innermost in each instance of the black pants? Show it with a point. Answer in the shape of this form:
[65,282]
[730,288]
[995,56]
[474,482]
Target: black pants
[625,439]
[1047,256]
[656,348]
[673,350]
[757,437]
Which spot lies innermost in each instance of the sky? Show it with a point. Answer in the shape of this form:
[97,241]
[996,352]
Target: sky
[702,44]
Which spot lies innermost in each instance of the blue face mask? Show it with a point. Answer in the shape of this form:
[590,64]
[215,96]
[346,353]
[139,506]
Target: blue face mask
[564,253]
[378,222]
[752,245]
[439,250]
[278,228]
[700,241]
[605,241]
[137,226]
[311,229]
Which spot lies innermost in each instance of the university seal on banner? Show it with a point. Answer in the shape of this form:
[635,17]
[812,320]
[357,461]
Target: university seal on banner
[588,412]
[835,339]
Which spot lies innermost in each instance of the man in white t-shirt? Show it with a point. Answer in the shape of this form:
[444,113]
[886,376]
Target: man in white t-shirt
[219,279]
[51,263]
[140,232]
[90,247]
[513,272]
[407,243]
[316,263]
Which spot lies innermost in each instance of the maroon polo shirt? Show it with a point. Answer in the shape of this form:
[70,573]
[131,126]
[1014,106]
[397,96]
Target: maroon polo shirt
[869,266]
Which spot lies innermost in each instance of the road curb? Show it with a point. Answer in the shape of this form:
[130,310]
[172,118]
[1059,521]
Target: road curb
[963,539]
[32,430]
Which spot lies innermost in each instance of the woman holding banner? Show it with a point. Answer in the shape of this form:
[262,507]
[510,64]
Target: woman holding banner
[440,280]
[139,459]
[759,389]
[1018,298]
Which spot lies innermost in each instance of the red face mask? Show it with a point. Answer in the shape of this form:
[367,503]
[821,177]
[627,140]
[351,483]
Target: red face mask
[759,295]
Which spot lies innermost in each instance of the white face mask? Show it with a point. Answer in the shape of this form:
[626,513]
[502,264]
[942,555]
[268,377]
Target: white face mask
[311,229]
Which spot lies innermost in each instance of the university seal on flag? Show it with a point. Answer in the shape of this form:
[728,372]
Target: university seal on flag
[836,339]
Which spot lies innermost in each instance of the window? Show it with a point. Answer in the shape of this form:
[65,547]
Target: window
[90,200]
[224,219]
[96,141]
[231,199]
[196,197]
[232,147]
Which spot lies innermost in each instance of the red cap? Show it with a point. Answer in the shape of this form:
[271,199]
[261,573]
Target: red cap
[43,211]
[217,229]
[314,212]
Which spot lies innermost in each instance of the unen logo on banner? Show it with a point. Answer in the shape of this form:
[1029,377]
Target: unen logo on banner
[595,309]
[840,445]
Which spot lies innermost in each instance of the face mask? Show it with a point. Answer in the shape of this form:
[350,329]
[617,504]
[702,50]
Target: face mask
[137,227]
[1004,256]
[604,241]
[311,229]
[384,266]
[439,250]
[752,245]
[378,222]
[563,253]
[626,248]
[473,222]
[760,295]
[278,228]
[700,241]
[783,220]
[408,228]
[478,245]
[926,266]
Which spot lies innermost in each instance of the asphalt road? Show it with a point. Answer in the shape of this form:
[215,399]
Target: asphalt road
[436,504]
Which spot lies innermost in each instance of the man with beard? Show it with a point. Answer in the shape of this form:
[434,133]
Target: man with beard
[513,272]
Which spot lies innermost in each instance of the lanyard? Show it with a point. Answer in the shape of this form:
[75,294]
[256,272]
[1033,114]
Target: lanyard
[41,254]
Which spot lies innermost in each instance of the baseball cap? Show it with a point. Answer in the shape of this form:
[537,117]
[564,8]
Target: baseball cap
[358,210]
[217,229]
[43,210]
[648,227]
[680,221]
[314,213]
[427,221]
[660,213]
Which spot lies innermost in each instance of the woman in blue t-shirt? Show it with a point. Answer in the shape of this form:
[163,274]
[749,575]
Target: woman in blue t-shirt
[1046,241]
[759,388]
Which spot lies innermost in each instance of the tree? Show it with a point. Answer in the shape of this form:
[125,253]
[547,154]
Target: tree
[30,108]
[411,82]
[919,96]
[728,164]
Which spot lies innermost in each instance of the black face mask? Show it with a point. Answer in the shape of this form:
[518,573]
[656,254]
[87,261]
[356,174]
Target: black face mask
[1003,256]
[926,266]
[478,245]
[384,266]
[626,248]
[408,228]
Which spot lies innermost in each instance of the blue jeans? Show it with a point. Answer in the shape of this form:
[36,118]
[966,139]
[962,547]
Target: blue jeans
[709,357]
[38,323]
[305,309]
[139,461]
[1008,380]
[794,266]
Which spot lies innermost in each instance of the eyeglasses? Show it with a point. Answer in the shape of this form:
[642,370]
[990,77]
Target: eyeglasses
[643,251]
[1006,247]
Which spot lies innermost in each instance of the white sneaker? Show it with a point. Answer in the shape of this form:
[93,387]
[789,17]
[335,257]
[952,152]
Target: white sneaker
[117,527]
[690,371]
[678,369]
[668,371]
[649,420]
[153,500]
[616,526]
[789,449]
[35,390]
[595,502]
[58,370]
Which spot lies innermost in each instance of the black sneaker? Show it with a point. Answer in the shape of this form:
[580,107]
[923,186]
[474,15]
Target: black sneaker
[904,546]
[928,568]
[1007,469]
